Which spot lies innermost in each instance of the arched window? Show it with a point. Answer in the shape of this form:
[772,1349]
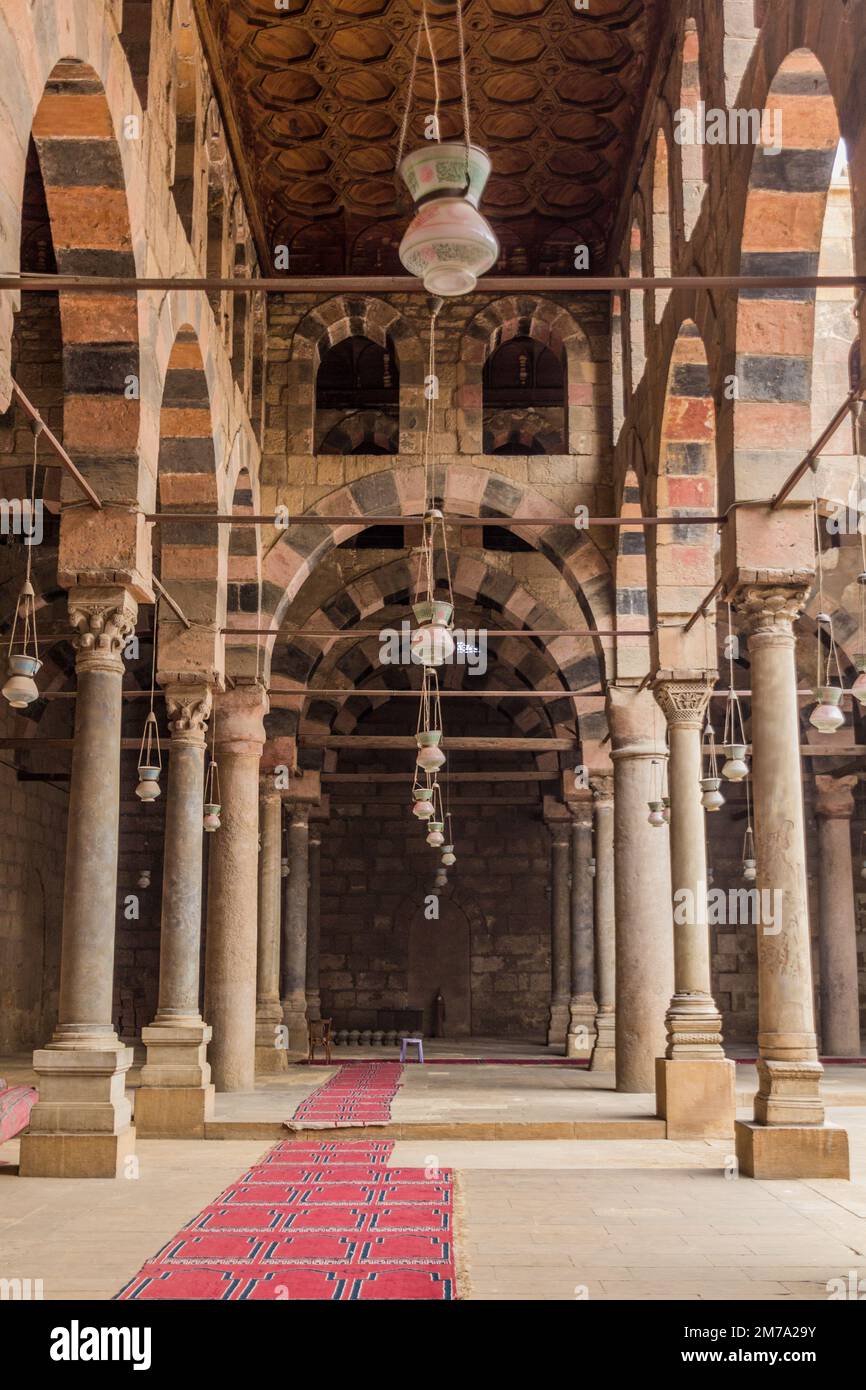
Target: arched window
[185,98]
[134,36]
[688,133]
[637,331]
[523,396]
[358,398]
[661,223]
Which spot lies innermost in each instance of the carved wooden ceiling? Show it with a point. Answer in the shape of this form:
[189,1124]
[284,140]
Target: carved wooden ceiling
[318,90]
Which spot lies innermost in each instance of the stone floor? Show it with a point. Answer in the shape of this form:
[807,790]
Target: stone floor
[538,1219]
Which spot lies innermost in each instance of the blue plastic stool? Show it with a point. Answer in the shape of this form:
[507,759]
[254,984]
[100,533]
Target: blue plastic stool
[414,1042]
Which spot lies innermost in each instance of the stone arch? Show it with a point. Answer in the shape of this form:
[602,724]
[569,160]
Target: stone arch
[782,228]
[468,491]
[191,555]
[328,324]
[682,560]
[526,316]
[92,234]
[573,661]
[632,588]
[356,431]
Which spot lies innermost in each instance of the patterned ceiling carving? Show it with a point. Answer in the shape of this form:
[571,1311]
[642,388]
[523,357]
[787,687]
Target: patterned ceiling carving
[319,89]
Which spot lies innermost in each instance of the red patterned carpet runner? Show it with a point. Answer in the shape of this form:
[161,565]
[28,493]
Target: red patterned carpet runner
[359,1094]
[314,1221]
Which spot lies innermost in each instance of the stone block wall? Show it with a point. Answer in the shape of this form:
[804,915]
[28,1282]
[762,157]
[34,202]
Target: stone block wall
[377,873]
[33,836]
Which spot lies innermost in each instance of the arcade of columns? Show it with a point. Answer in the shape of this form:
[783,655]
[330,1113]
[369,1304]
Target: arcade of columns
[628,987]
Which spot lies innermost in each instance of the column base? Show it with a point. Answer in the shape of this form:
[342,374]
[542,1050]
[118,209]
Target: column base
[80,1126]
[270,1060]
[581,1029]
[176,1055]
[789,1092]
[557,1025]
[295,1020]
[791,1151]
[694,1028]
[696,1098]
[604,1052]
[271,1044]
[76,1155]
[173,1112]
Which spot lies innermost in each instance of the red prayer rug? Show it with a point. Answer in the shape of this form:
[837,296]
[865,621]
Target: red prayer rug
[314,1221]
[358,1094]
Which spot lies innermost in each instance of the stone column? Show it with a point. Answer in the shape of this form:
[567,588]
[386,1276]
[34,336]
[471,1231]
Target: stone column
[314,999]
[604,1051]
[80,1127]
[642,884]
[232,910]
[295,929]
[176,1096]
[582,1006]
[788,1136]
[840,1005]
[694,1080]
[560,933]
[270,1039]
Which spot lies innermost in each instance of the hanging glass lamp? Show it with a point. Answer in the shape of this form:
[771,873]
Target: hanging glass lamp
[711,797]
[23,665]
[149,761]
[212,807]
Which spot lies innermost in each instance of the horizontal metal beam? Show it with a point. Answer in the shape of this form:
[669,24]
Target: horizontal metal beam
[458,744]
[352,634]
[351,778]
[408,284]
[355,519]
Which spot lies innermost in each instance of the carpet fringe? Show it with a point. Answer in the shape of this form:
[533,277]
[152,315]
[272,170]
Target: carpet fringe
[458,1207]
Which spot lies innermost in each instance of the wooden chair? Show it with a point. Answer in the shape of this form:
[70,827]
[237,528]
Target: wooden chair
[319,1034]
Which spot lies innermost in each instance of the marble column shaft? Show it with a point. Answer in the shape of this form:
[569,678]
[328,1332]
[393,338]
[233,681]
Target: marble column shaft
[232,918]
[604,1051]
[295,928]
[642,886]
[582,1005]
[837,935]
[789,1073]
[560,933]
[314,1001]
[80,1125]
[177,1038]
[693,1022]
[270,1039]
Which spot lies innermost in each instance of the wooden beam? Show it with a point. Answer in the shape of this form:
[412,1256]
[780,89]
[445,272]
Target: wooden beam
[41,282]
[54,444]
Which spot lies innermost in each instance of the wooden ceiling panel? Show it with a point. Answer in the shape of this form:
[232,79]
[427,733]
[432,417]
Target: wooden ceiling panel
[318,90]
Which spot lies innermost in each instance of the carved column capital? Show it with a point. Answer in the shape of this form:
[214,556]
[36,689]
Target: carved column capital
[769,611]
[834,798]
[188,708]
[602,788]
[105,619]
[684,702]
